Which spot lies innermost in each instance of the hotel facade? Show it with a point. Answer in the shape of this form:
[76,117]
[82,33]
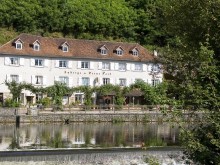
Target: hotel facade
[43,60]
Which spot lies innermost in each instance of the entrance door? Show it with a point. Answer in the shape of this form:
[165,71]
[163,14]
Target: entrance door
[1,98]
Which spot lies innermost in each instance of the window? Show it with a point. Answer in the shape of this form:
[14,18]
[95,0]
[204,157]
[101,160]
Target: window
[62,64]
[135,53]
[122,66]
[39,96]
[64,80]
[122,82]
[14,61]
[78,98]
[18,45]
[14,78]
[119,52]
[36,47]
[103,51]
[106,65]
[138,67]
[39,80]
[155,68]
[65,48]
[84,65]
[106,81]
[155,82]
[38,62]
[85,81]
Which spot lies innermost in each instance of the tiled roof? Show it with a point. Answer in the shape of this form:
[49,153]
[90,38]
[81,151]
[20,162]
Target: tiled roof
[78,48]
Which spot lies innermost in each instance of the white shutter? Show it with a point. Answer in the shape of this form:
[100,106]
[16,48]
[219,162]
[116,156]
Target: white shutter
[91,65]
[132,80]
[69,64]
[8,78]
[100,80]
[44,80]
[127,82]
[33,81]
[20,78]
[91,82]
[21,60]
[116,66]
[112,65]
[56,78]
[144,67]
[117,81]
[79,81]
[100,65]
[150,67]
[132,67]
[112,81]
[7,61]
[32,61]
[128,66]
[70,81]
[57,63]
[46,62]
[79,64]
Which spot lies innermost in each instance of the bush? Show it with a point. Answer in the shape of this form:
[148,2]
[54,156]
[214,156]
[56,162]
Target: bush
[46,101]
[11,103]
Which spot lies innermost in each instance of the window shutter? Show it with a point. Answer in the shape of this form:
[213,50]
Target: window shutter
[132,67]
[100,65]
[79,64]
[91,82]
[70,81]
[57,63]
[144,67]
[116,66]
[20,78]
[7,61]
[128,66]
[127,82]
[112,65]
[91,65]
[69,64]
[8,78]
[46,62]
[44,80]
[150,67]
[117,81]
[112,81]
[33,79]
[132,80]
[79,81]
[21,60]
[56,78]
[32,61]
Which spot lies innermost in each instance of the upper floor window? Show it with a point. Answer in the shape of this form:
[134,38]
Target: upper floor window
[122,66]
[65,47]
[106,81]
[138,67]
[38,62]
[155,82]
[122,82]
[85,81]
[85,65]
[14,61]
[103,51]
[155,68]
[14,78]
[119,51]
[36,45]
[62,64]
[18,44]
[64,80]
[39,80]
[106,65]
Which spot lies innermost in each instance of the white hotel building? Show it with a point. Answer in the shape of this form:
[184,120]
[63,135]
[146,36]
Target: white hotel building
[43,60]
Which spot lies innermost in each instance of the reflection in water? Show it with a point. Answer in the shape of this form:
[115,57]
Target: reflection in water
[84,135]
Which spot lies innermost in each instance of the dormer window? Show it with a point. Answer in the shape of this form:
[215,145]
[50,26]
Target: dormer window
[103,50]
[18,44]
[65,47]
[119,51]
[135,52]
[36,45]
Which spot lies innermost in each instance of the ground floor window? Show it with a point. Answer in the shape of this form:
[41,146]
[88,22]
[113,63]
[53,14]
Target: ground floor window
[78,98]
[155,82]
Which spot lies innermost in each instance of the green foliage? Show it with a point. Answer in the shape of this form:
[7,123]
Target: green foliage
[46,101]
[11,103]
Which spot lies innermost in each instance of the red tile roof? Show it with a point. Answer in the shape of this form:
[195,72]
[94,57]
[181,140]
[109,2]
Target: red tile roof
[78,48]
